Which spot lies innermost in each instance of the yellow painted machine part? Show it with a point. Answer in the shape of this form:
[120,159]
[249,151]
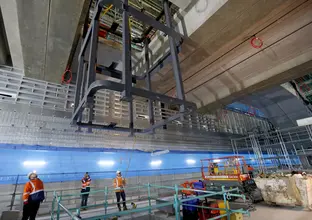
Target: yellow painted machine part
[237,216]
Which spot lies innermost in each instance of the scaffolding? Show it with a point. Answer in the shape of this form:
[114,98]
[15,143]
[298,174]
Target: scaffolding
[59,209]
[285,149]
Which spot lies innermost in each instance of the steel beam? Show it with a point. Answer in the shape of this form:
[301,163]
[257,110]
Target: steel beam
[126,55]
[118,87]
[156,24]
[85,42]
[162,123]
[175,58]
[91,74]
[149,85]
[112,73]
[108,128]
[78,82]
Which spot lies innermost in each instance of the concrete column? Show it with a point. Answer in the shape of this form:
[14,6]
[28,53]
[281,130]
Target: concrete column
[11,24]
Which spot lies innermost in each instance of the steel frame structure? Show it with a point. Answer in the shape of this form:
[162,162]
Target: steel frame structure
[288,148]
[87,71]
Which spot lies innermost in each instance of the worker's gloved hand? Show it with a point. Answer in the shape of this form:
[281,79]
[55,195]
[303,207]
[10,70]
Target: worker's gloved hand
[26,202]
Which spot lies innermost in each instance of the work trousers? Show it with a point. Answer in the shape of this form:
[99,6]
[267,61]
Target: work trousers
[123,196]
[84,197]
[30,210]
[251,174]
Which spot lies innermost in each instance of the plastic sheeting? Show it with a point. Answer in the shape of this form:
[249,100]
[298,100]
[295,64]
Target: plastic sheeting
[293,190]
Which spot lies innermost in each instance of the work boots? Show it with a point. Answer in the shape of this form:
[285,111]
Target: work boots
[125,208]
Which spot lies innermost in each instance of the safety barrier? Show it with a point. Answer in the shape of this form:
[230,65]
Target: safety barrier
[59,209]
[11,196]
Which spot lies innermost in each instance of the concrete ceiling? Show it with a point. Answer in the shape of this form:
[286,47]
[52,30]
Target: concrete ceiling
[278,104]
[219,64]
[41,34]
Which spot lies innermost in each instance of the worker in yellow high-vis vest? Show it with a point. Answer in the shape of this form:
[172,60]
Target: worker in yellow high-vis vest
[119,184]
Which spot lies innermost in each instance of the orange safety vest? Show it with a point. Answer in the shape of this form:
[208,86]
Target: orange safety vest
[33,191]
[119,184]
[250,169]
[86,182]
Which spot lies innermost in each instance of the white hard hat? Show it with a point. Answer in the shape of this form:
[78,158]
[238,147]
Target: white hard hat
[118,172]
[31,173]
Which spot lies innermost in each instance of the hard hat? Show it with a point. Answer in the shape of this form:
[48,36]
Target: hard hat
[118,172]
[31,173]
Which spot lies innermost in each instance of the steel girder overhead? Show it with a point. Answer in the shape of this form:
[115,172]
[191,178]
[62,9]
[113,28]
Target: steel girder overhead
[86,76]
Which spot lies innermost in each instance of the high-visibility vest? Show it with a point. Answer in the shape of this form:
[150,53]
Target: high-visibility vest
[34,191]
[86,182]
[119,184]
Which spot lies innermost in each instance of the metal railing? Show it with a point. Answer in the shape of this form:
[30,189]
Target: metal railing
[176,202]
[63,181]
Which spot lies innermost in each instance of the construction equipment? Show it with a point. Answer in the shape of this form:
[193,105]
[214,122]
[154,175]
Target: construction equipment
[231,171]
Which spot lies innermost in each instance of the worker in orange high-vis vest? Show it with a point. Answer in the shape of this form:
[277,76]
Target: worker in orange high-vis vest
[119,184]
[85,188]
[33,196]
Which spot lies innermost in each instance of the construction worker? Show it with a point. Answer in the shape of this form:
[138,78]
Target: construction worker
[85,188]
[32,197]
[119,184]
[250,171]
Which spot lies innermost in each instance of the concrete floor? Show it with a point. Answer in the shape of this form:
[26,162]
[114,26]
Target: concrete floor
[265,212]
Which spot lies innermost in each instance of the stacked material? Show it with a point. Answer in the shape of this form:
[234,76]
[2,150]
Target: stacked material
[295,190]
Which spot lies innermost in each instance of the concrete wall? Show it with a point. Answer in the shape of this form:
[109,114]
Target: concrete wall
[4,49]
[98,198]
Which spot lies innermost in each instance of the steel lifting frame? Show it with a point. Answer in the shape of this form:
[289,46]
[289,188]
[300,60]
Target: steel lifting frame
[86,74]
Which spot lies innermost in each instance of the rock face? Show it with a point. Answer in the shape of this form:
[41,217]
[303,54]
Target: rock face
[294,190]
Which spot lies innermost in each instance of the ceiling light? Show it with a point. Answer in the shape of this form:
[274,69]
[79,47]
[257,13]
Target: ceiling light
[190,161]
[106,162]
[34,163]
[159,153]
[156,162]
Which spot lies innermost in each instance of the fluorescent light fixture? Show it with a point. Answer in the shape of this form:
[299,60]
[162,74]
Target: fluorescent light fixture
[159,153]
[34,163]
[106,162]
[304,121]
[143,116]
[156,162]
[190,161]
[216,161]
[7,94]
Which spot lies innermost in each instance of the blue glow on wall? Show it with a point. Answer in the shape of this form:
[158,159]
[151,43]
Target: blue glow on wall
[246,109]
[67,164]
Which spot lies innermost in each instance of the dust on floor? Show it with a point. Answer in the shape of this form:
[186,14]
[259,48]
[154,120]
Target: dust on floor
[265,212]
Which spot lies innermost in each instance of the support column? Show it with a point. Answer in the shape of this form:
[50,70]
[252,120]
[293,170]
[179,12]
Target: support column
[11,23]
[149,85]
[126,55]
[91,74]
[174,57]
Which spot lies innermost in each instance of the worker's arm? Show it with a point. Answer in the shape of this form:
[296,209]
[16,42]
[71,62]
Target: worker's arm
[114,183]
[27,191]
[89,182]
[124,182]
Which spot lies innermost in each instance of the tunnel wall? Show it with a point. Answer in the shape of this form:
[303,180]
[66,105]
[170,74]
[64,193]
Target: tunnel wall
[74,162]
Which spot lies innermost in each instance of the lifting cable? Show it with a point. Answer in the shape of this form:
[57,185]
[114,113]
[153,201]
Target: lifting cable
[130,158]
